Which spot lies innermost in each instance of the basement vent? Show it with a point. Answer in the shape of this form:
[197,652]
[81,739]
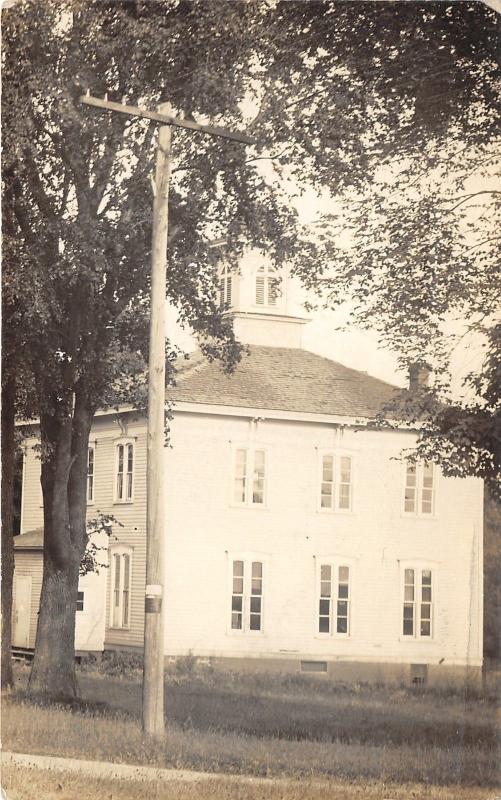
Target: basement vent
[419,674]
[313,666]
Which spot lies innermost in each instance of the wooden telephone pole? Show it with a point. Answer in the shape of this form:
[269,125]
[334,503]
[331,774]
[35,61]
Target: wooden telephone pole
[153,674]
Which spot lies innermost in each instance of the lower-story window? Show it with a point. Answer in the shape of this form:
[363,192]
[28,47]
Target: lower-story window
[417,605]
[334,598]
[247,595]
[121,573]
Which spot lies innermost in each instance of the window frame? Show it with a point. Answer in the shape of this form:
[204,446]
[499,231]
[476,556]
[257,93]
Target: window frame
[121,551]
[250,448]
[225,279]
[418,512]
[82,601]
[268,274]
[91,448]
[248,559]
[336,454]
[124,442]
[335,563]
[418,567]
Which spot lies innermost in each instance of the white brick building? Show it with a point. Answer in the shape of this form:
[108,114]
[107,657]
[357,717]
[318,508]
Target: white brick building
[296,535]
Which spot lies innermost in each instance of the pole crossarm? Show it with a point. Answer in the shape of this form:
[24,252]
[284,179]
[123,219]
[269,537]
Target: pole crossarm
[136,111]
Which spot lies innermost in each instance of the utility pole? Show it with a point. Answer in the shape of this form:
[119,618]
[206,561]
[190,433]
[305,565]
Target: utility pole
[153,672]
[153,676]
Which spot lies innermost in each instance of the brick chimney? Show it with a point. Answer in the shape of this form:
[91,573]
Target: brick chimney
[419,374]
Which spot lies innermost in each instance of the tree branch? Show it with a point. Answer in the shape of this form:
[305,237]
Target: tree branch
[467,197]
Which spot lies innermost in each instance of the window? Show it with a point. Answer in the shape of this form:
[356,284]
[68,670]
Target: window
[266,286]
[247,596]
[125,472]
[90,474]
[121,570]
[334,599]
[80,601]
[336,483]
[248,488]
[225,287]
[419,489]
[417,613]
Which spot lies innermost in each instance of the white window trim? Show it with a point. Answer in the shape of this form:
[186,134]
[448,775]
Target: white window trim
[249,447]
[418,513]
[124,441]
[120,550]
[247,557]
[418,565]
[336,454]
[335,562]
[92,446]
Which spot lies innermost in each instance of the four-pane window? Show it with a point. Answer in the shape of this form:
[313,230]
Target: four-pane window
[249,481]
[334,599]
[125,471]
[336,483]
[419,489]
[247,595]
[417,603]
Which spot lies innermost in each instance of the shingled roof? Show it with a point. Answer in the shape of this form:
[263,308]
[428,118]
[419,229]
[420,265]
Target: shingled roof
[283,379]
[31,540]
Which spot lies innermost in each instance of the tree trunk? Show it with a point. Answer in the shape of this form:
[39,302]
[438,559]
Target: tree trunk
[8,467]
[53,670]
[64,483]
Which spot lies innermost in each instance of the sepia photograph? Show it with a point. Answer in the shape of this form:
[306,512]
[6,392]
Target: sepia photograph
[251,400]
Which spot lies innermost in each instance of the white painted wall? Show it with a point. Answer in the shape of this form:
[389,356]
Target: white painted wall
[290,533]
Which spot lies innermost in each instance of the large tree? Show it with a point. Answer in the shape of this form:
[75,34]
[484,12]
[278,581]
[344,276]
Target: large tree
[330,90]
[416,248]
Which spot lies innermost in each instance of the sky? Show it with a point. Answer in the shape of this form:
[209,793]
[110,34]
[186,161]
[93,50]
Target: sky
[353,347]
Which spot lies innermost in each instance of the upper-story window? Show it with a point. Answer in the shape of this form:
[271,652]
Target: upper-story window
[121,573]
[334,598]
[225,287]
[417,602]
[336,482]
[249,476]
[91,460]
[124,477]
[266,286]
[246,595]
[419,489]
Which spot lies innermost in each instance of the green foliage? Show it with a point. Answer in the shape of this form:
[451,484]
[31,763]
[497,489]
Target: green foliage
[185,666]
[126,663]
[415,248]
[337,89]
[103,523]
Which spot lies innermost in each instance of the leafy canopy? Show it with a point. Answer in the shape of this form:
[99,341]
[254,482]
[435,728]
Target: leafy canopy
[390,106]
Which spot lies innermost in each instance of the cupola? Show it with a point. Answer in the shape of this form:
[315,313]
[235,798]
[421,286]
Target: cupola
[261,300]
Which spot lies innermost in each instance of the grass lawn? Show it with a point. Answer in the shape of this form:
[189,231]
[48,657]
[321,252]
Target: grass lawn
[30,784]
[274,725]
